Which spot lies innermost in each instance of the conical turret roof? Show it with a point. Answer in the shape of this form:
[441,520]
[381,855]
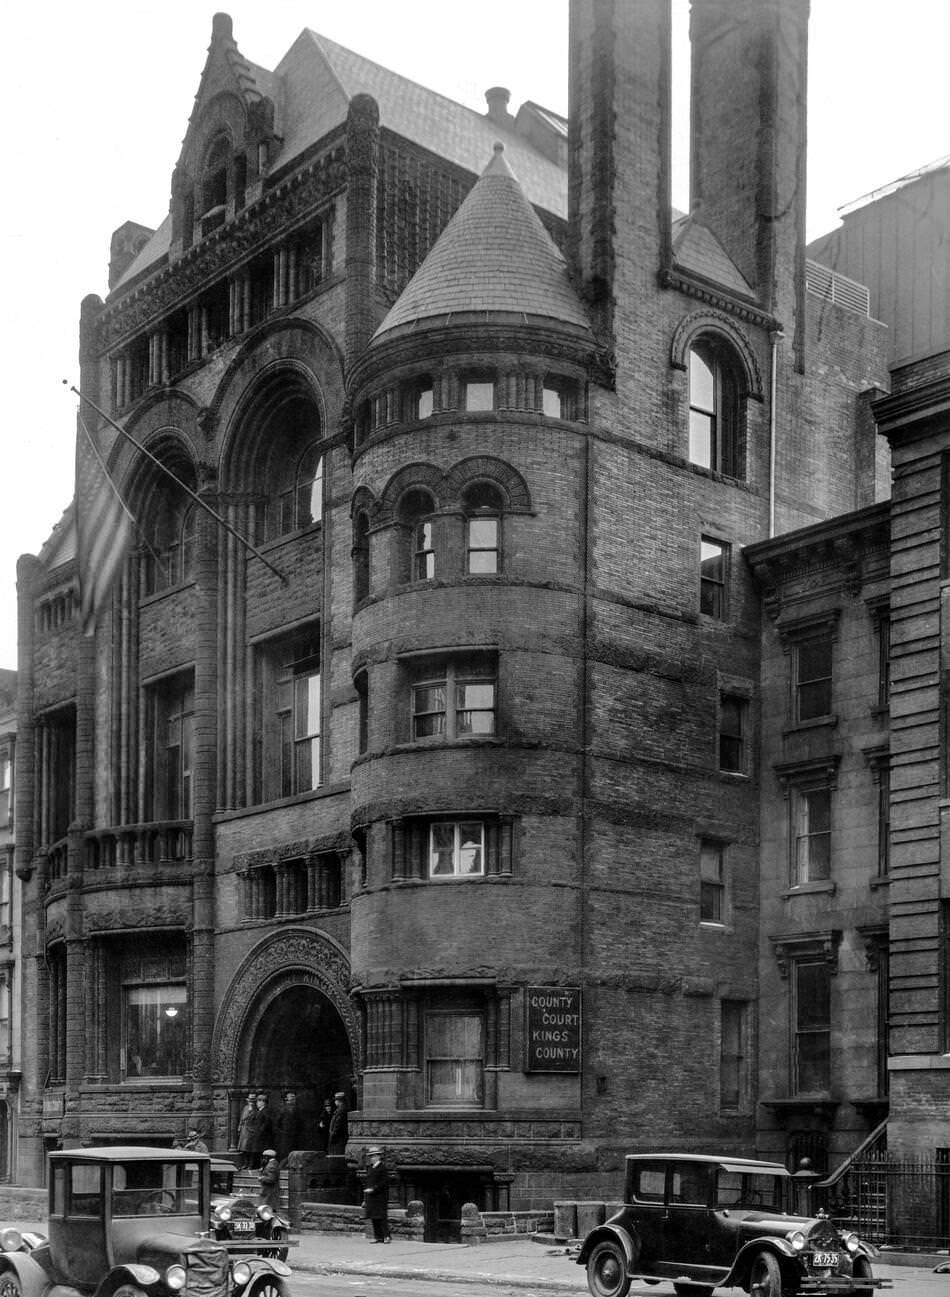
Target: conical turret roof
[494,257]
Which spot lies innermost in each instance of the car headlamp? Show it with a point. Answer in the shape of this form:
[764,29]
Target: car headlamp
[11,1240]
[223,1213]
[241,1272]
[264,1212]
[797,1239]
[852,1243]
[175,1277]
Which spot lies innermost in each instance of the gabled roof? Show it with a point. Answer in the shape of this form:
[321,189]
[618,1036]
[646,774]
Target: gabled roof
[696,248]
[319,78]
[494,256]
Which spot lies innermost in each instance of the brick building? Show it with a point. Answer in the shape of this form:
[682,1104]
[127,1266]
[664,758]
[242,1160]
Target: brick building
[465,809]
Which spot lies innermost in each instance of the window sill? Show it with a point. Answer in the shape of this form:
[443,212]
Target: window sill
[816,723]
[825,886]
[739,776]
[711,925]
[880,880]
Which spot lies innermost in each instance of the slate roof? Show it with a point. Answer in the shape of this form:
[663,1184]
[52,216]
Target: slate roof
[494,256]
[696,248]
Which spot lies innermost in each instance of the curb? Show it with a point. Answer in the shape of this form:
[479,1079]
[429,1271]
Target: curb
[369,1270]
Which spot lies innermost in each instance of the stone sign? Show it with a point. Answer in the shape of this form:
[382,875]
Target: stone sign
[552,1030]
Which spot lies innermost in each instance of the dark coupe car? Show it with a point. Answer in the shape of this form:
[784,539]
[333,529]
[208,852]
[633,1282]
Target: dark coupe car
[132,1222]
[706,1222]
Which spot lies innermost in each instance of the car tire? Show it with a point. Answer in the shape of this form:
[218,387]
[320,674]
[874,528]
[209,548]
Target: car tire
[128,1290]
[861,1269]
[280,1253]
[765,1276]
[607,1270]
[10,1285]
[268,1286]
[692,1290]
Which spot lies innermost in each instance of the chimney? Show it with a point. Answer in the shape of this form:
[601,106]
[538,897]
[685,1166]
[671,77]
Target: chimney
[497,98]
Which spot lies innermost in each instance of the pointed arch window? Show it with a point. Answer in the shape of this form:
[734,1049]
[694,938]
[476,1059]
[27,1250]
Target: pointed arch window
[714,409]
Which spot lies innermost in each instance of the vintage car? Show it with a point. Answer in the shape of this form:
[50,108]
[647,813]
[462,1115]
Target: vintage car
[240,1216]
[132,1222]
[705,1222]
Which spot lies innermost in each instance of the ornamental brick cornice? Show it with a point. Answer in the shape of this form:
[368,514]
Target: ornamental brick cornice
[277,214]
[693,285]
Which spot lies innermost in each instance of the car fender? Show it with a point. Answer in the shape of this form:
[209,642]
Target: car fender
[267,1265]
[139,1276]
[33,1278]
[780,1248]
[616,1234]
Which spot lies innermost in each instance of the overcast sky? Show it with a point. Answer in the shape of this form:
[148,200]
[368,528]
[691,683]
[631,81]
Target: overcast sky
[99,94]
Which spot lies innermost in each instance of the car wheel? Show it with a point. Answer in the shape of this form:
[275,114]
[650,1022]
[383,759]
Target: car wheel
[765,1276]
[692,1290]
[279,1252]
[128,1290]
[606,1270]
[861,1269]
[10,1285]
[268,1286]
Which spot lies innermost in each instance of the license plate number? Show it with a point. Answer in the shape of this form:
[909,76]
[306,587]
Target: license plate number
[243,1226]
[826,1260]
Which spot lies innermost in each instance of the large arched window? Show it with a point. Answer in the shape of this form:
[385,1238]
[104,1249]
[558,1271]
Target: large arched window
[301,499]
[214,188]
[483,507]
[715,425]
[168,536]
[292,470]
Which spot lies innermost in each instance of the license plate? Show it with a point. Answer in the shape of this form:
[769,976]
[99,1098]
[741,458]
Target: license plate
[825,1260]
[242,1226]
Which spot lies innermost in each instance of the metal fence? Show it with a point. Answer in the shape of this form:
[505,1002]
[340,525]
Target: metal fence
[899,1202]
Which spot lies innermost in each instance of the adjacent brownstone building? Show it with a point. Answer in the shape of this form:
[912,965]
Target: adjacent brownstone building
[459,795]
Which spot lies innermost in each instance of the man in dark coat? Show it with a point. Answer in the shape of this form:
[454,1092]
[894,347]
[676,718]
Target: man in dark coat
[287,1128]
[260,1132]
[376,1195]
[323,1125]
[339,1126]
[270,1179]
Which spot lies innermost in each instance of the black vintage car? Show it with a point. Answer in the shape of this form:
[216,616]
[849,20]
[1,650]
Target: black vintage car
[132,1222]
[240,1217]
[705,1222]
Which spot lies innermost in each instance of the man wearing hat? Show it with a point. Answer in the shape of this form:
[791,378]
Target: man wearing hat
[339,1126]
[270,1178]
[376,1195]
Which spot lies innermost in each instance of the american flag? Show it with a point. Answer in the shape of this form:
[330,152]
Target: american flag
[103,527]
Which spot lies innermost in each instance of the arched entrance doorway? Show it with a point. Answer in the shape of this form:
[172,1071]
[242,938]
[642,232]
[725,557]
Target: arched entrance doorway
[287,1023]
[297,1042]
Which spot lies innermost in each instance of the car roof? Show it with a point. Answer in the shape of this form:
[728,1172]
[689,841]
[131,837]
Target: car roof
[128,1153]
[716,1159]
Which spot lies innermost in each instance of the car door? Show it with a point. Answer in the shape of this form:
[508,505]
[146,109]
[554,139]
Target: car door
[686,1222]
[646,1195]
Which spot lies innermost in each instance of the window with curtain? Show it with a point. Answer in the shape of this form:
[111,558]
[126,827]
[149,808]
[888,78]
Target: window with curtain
[456,848]
[455,1059]
[714,413]
[811,837]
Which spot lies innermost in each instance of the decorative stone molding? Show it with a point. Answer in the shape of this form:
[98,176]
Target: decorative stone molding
[789,947]
[291,957]
[712,323]
[876,940]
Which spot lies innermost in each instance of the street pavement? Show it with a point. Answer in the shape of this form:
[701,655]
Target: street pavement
[511,1263]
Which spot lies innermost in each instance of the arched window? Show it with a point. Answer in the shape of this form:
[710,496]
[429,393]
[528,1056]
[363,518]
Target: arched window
[360,556]
[416,516]
[301,500]
[169,538]
[215,182]
[714,409]
[483,507]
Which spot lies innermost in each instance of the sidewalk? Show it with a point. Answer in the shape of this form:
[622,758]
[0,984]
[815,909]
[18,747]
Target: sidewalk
[515,1263]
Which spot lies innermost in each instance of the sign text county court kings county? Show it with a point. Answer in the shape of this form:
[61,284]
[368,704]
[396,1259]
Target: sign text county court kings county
[552,1029]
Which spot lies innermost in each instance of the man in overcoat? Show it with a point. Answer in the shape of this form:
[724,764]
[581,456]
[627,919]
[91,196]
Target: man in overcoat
[376,1195]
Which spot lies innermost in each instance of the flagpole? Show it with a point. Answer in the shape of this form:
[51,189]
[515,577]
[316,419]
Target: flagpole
[222,522]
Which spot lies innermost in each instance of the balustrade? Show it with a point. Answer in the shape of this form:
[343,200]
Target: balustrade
[133,845]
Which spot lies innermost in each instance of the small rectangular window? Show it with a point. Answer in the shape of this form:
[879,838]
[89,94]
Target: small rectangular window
[456,848]
[732,737]
[712,882]
[713,569]
[455,1059]
[482,545]
[813,663]
[457,702]
[479,394]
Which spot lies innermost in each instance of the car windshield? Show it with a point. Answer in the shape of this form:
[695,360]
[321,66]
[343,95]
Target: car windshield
[749,1189]
[156,1188]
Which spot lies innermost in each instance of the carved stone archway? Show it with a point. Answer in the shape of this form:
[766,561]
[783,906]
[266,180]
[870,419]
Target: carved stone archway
[294,958]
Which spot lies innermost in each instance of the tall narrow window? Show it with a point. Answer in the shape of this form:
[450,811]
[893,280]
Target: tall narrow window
[733,1055]
[6,784]
[883,819]
[288,738]
[361,556]
[169,539]
[455,1059]
[732,737]
[713,410]
[301,501]
[712,882]
[884,660]
[170,727]
[415,514]
[713,573]
[483,506]
[811,811]
[811,1020]
[813,664]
